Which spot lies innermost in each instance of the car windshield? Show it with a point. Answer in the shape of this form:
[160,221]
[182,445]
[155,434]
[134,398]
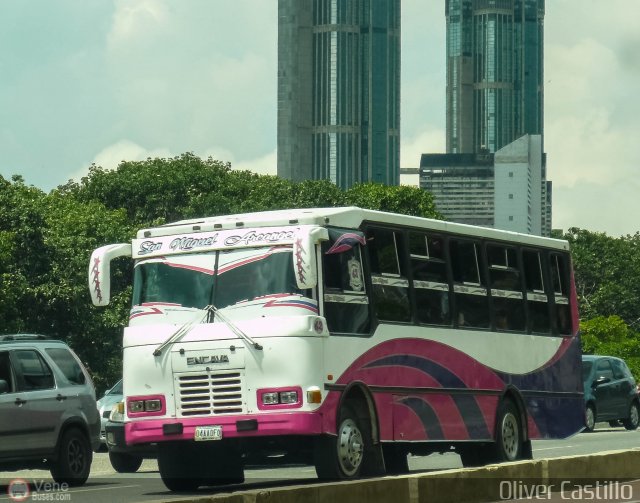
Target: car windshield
[117,388]
[220,278]
[586,370]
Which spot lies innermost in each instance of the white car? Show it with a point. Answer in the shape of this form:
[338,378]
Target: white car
[111,397]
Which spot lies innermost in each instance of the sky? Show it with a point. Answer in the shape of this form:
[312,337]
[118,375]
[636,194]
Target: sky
[85,82]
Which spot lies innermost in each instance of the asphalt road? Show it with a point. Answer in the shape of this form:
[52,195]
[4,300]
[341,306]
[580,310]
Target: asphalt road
[105,485]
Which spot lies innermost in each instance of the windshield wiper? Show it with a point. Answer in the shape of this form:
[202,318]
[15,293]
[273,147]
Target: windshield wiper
[186,328]
[182,331]
[234,328]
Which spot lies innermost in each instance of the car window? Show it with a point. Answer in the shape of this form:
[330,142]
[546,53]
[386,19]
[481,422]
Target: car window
[117,389]
[620,370]
[586,369]
[604,369]
[67,364]
[5,370]
[34,372]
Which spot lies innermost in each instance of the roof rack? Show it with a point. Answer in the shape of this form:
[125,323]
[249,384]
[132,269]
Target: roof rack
[23,337]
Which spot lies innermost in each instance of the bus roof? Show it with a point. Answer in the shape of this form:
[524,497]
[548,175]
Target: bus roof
[348,217]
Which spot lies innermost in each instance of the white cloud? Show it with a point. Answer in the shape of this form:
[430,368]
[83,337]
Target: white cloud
[134,19]
[265,165]
[124,150]
[429,140]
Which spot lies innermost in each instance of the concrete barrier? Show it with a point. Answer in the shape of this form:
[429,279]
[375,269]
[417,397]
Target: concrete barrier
[520,479]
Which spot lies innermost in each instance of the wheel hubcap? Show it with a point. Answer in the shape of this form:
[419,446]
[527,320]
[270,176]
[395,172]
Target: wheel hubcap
[350,447]
[510,436]
[75,457]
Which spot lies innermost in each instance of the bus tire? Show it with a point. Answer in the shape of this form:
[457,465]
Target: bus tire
[509,432]
[124,463]
[474,455]
[396,461]
[224,466]
[74,456]
[180,469]
[342,456]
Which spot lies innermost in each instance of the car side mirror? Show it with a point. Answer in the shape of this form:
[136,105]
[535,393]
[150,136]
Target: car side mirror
[4,386]
[601,380]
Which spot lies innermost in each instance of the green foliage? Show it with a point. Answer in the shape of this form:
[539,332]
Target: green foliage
[612,336]
[400,199]
[606,271]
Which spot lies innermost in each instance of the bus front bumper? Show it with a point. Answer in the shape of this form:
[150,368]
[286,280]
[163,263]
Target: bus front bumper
[143,431]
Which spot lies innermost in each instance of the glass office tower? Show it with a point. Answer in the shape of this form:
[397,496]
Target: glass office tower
[339,90]
[494,73]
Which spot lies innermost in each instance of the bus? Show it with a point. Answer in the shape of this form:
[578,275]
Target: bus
[343,337]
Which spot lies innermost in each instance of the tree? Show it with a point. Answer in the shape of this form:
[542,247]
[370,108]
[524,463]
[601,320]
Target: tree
[612,336]
[606,274]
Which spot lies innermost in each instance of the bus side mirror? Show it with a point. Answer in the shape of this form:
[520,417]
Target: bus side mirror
[100,271]
[304,256]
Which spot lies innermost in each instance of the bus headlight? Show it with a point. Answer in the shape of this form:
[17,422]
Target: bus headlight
[280,398]
[270,398]
[288,397]
[146,405]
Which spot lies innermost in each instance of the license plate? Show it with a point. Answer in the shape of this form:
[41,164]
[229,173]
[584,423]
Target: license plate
[204,433]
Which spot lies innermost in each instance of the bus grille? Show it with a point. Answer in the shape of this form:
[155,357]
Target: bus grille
[206,394]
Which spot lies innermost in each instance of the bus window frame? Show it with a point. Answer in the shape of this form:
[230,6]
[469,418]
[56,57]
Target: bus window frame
[402,259]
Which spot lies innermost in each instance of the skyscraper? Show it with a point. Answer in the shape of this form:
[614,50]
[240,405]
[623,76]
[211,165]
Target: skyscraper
[494,73]
[339,90]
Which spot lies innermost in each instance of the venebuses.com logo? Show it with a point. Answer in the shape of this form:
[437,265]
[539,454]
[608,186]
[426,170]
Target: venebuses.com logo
[38,490]
[18,490]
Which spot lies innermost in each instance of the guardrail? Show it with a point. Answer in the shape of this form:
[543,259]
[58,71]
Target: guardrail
[580,477]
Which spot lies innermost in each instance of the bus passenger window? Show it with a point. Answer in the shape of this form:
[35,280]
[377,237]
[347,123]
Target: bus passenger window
[560,279]
[506,288]
[430,282]
[388,276]
[470,293]
[537,300]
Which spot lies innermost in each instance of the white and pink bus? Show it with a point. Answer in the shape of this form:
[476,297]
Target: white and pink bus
[346,337]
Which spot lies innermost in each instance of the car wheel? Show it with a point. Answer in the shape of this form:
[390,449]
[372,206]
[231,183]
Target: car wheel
[589,418]
[124,463]
[74,456]
[631,423]
[509,436]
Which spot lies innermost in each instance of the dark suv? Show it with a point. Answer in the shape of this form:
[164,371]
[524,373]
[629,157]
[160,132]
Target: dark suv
[48,414]
[610,392]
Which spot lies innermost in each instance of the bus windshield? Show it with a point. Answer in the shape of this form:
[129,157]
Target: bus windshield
[220,278]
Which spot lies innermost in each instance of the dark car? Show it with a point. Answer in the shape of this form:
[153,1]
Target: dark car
[610,392]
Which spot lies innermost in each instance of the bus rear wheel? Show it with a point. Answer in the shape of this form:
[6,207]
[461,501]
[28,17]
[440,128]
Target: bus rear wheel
[509,434]
[342,456]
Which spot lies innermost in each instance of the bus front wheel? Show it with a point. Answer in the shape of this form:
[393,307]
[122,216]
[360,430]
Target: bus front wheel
[342,456]
[180,469]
